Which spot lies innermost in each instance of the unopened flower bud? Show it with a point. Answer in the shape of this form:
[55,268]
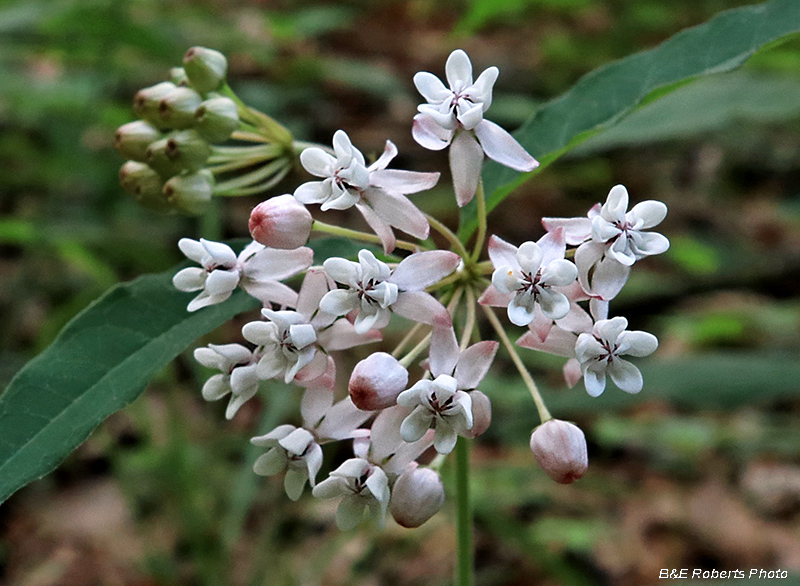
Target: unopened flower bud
[184,150]
[217,118]
[145,185]
[281,222]
[481,415]
[145,102]
[205,68]
[133,138]
[418,494]
[177,108]
[560,449]
[190,193]
[177,75]
[377,381]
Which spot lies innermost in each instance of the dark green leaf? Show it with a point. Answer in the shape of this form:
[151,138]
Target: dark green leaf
[601,98]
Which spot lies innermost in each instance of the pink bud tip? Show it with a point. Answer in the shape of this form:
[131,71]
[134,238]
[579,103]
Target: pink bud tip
[281,222]
[376,381]
[560,449]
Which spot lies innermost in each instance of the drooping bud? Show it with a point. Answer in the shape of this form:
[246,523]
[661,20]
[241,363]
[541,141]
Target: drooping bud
[145,185]
[217,118]
[133,138]
[177,75]
[377,381]
[481,415]
[184,150]
[560,449]
[205,68]
[190,193]
[177,108]
[145,102]
[281,222]
[418,494]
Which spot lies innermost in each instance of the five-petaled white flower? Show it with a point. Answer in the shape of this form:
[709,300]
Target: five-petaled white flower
[288,343]
[377,192]
[599,354]
[362,485]
[527,276]
[293,450]
[238,374]
[257,269]
[374,288]
[454,116]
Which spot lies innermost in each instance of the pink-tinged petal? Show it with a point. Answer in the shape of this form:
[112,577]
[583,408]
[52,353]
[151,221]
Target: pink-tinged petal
[313,370]
[474,363]
[398,211]
[220,282]
[192,249]
[190,279]
[317,162]
[339,302]
[312,192]
[572,372]
[558,342]
[276,265]
[576,230]
[598,308]
[616,205]
[431,87]
[379,226]
[458,70]
[421,307]
[594,379]
[559,273]
[471,117]
[315,285]
[389,153]
[385,438]
[494,298]
[647,214]
[401,181]
[342,335]
[541,324]
[342,420]
[481,90]
[502,254]
[423,269]
[500,146]
[636,343]
[625,375]
[221,253]
[271,292]
[429,134]
[315,404]
[408,452]
[609,278]
[444,351]
[466,160]
[553,245]
[576,321]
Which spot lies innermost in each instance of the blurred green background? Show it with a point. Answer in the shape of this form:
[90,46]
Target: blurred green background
[701,470]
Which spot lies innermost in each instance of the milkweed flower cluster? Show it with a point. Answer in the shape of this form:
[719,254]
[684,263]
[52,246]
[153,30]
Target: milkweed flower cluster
[423,397]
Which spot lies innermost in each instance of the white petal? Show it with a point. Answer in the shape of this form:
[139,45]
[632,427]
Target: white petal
[190,279]
[481,90]
[294,482]
[610,329]
[403,181]
[636,343]
[317,162]
[331,487]
[529,257]
[216,387]
[350,512]
[313,463]
[342,270]
[595,381]
[339,302]
[466,160]
[365,320]
[647,214]
[270,292]
[616,205]
[625,375]
[220,282]
[221,253]
[204,300]
[445,437]
[587,255]
[302,335]
[500,146]
[648,243]
[430,134]
[507,281]
[609,278]
[271,439]
[345,200]
[296,442]
[260,332]
[603,231]
[431,87]
[276,265]
[415,425]
[192,249]
[378,485]
[389,153]
[244,380]
[554,305]
[587,348]
[458,69]
[474,363]
[559,273]
[315,285]
[470,117]
[313,192]
[576,230]
[270,366]
[423,269]
[520,313]
[273,462]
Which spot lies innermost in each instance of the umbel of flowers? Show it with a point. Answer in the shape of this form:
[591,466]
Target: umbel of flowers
[424,396]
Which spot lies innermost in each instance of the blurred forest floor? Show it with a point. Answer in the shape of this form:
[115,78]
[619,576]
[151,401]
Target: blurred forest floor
[701,470]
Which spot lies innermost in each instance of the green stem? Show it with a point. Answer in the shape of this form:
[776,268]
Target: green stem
[406,339]
[544,414]
[465,563]
[469,327]
[481,200]
[415,351]
[363,236]
[458,246]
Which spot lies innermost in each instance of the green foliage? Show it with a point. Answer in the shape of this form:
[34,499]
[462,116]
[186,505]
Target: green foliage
[603,97]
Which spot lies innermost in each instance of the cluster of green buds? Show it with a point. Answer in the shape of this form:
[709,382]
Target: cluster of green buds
[173,152]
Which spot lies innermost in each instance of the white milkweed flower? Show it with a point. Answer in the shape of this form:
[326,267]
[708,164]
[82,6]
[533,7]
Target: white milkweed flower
[288,343]
[257,270]
[377,192]
[528,275]
[373,289]
[293,450]
[237,378]
[454,116]
[362,485]
[599,354]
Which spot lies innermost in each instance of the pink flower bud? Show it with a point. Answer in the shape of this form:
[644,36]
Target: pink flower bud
[417,496]
[481,415]
[281,222]
[560,449]
[376,381]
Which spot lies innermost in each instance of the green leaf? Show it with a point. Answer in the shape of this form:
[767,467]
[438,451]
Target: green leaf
[604,96]
[101,361]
